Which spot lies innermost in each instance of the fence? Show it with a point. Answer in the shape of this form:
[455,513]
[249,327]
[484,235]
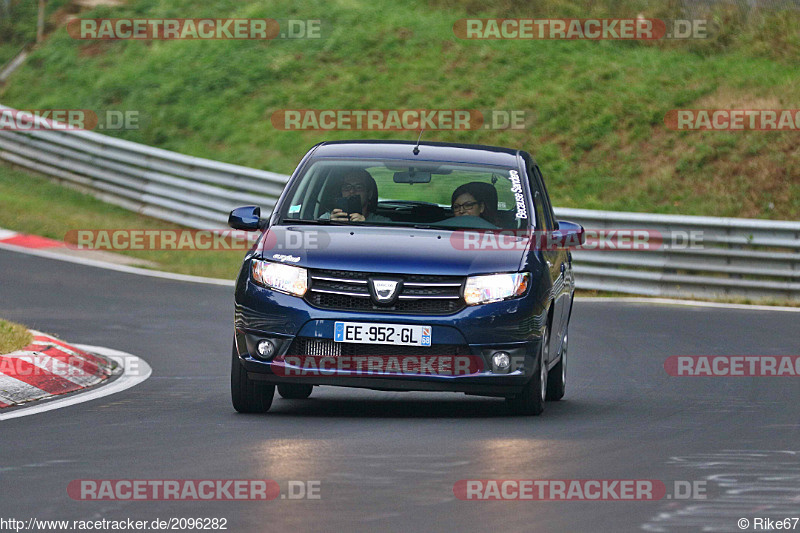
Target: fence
[699,8]
[740,258]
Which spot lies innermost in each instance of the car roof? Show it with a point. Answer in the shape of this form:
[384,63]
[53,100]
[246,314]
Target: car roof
[428,151]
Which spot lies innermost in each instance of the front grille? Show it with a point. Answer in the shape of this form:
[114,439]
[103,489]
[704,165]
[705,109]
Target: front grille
[421,294]
[325,347]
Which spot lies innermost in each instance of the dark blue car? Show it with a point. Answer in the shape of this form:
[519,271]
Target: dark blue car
[401,266]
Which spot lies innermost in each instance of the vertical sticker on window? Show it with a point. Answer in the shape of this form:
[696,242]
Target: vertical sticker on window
[516,188]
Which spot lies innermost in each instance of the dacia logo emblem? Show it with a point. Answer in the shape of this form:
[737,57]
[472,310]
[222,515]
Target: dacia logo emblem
[384,290]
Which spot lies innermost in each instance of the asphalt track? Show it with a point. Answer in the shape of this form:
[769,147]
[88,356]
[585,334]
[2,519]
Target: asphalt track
[388,461]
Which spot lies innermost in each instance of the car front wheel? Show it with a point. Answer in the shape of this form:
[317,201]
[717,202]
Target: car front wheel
[557,377]
[247,395]
[531,400]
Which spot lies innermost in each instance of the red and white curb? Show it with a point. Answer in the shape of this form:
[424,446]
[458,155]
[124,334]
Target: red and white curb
[23,240]
[49,367]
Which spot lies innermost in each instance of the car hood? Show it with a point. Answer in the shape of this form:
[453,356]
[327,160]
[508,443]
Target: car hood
[388,250]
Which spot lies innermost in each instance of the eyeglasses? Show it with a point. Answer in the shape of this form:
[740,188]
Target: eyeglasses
[466,206]
[353,187]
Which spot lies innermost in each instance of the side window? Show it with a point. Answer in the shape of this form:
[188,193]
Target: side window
[544,219]
[548,208]
[538,206]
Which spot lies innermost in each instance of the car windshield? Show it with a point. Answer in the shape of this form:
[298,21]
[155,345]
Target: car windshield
[403,193]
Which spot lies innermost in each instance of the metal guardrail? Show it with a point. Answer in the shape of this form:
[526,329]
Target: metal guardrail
[728,257]
[188,190]
[740,258]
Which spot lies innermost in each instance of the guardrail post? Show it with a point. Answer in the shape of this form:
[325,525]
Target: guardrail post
[40,22]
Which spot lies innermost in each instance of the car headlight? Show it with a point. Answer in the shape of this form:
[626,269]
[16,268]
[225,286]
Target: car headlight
[284,278]
[495,287]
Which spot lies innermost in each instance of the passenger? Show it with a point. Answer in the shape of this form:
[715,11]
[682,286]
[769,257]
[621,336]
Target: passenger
[468,200]
[358,182]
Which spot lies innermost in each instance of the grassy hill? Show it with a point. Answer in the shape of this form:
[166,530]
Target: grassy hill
[598,107]
[18,20]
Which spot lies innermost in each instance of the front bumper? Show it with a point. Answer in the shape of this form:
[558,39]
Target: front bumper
[480,377]
[514,326]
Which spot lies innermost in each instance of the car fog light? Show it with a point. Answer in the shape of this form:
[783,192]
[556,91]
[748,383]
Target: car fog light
[266,349]
[501,360]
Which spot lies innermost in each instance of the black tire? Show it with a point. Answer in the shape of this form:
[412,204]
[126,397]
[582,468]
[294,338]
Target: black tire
[247,395]
[294,391]
[557,377]
[531,400]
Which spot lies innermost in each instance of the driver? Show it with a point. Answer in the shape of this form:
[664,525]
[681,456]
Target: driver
[467,200]
[358,182]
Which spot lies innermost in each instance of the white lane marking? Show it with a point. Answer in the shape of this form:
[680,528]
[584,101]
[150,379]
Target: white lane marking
[690,303]
[118,268]
[134,371]
[18,391]
[749,483]
[7,234]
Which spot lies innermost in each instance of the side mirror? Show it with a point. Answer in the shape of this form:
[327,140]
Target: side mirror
[569,234]
[245,218]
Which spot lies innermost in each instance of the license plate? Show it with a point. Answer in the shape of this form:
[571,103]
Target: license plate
[371,333]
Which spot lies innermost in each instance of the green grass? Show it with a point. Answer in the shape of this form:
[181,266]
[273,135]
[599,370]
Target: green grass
[13,336]
[18,25]
[8,51]
[33,204]
[598,107]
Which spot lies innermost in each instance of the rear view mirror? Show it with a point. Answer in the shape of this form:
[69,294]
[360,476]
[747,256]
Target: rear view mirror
[412,176]
[245,218]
